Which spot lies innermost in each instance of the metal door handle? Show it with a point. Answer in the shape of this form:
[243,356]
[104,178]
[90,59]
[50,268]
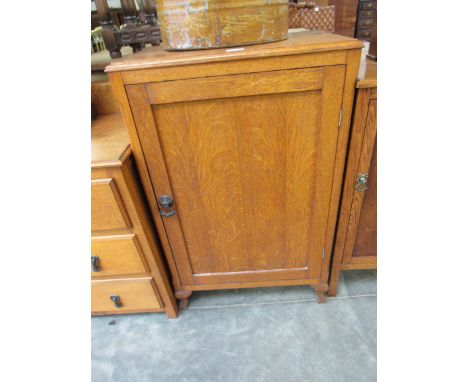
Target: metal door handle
[166,203]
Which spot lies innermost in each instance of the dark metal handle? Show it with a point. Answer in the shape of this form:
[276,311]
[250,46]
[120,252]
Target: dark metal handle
[116,301]
[166,203]
[95,264]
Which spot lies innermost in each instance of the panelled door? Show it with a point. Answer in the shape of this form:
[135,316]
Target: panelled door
[248,161]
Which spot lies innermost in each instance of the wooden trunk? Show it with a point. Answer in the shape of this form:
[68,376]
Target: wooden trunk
[197,24]
[356,241]
[251,152]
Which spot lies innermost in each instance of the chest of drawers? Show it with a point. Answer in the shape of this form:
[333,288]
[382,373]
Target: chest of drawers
[127,269]
[241,153]
[366,16]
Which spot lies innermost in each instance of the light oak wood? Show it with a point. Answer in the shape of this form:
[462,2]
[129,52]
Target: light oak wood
[118,255]
[107,209]
[136,295]
[356,240]
[297,43]
[201,24]
[125,251]
[256,171]
[110,144]
[283,81]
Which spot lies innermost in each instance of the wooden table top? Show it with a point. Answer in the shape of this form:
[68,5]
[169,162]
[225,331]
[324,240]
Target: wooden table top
[110,143]
[297,43]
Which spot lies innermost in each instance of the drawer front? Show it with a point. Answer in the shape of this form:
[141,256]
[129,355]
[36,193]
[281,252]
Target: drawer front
[364,34]
[366,13]
[132,295]
[107,209]
[367,5]
[116,255]
[365,23]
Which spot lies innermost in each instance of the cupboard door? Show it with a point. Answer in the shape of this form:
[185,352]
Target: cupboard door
[361,238]
[248,160]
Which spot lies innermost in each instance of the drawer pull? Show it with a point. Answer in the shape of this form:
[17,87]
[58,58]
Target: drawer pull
[116,301]
[166,203]
[95,264]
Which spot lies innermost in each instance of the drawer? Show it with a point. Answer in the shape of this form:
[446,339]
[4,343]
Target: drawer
[366,13]
[116,255]
[107,209]
[364,34]
[368,4]
[365,23]
[133,295]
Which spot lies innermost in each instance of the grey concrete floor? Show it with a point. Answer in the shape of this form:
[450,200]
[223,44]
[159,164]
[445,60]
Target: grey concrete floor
[251,335]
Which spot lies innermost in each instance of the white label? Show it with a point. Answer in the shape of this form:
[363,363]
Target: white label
[234,50]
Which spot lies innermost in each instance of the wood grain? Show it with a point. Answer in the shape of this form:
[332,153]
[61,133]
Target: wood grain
[256,178]
[283,81]
[107,209]
[355,245]
[137,295]
[297,43]
[118,255]
[198,24]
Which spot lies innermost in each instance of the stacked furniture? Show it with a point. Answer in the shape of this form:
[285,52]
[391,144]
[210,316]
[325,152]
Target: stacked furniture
[367,14]
[356,240]
[127,269]
[241,155]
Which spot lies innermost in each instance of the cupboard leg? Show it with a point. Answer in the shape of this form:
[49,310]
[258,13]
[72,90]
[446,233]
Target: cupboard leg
[183,297]
[321,292]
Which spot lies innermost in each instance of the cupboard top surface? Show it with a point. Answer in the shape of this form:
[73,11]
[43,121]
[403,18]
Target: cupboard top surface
[110,143]
[297,43]
[367,77]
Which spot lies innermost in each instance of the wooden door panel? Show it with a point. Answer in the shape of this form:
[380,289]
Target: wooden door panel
[366,232]
[251,176]
[369,214]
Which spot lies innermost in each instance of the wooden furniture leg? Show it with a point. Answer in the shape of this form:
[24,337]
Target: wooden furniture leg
[321,291]
[183,297]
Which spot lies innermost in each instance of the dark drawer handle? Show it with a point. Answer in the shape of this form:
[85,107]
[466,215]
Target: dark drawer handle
[95,264]
[166,203]
[116,301]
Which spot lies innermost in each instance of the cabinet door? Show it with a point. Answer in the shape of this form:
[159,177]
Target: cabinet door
[360,250]
[249,161]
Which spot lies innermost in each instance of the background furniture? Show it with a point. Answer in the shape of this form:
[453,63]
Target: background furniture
[241,155]
[127,269]
[134,32]
[345,16]
[367,14]
[356,240]
[311,16]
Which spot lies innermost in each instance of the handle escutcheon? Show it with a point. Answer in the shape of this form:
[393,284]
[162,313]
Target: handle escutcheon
[116,301]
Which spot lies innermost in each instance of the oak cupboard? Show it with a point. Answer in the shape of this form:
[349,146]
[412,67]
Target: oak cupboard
[241,154]
[356,240]
[127,269]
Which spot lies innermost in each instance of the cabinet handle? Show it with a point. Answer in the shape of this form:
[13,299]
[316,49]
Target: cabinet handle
[95,264]
[166,203]
[116,301]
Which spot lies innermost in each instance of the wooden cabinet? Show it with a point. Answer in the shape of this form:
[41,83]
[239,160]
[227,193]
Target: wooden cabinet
[127,269]
[242,152]
[356,241]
